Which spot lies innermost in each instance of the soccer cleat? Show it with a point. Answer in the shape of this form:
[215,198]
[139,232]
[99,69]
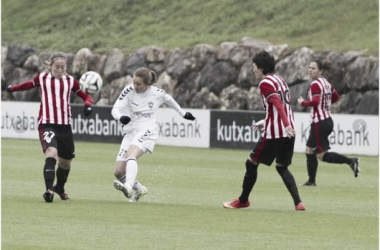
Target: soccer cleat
[125,188]
[300,207]
[48,196]
[64,196]
[309,184]
[355,166]
[235,204]
[139,194]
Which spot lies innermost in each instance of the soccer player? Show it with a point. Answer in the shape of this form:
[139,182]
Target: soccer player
[277,138]
[136,109]
[321,94]
[54,121]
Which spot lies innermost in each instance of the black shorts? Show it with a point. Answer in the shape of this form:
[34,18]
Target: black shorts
[319,135]
[59,137]
[267,150]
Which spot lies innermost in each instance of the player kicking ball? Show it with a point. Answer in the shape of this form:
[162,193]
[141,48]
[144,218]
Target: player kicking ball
[136,109]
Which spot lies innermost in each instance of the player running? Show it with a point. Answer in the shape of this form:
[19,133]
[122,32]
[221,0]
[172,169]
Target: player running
[277,138]
[136,109]
[54,121]
[321,94]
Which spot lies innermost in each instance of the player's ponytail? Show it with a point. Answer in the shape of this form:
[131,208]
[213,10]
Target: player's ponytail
[148,76]
[154,77]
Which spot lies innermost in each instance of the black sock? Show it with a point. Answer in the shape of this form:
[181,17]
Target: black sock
[332,157]
[290,183]
[62,175]
[49,172]
[249,181]
[312,166]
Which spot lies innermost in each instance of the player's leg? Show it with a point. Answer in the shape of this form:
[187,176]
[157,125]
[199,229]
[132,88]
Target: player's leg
[283,160]
[49,147]
[311,158]
[120,167]
[260,154]
[134,152]
[312,167]
[63,170]
[336,158]
[66,152]
[142,143]
[326,127]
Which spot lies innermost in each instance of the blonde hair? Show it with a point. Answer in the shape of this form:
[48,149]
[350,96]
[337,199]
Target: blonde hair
[148,76]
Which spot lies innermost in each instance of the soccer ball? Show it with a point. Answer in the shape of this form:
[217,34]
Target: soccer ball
[90,82]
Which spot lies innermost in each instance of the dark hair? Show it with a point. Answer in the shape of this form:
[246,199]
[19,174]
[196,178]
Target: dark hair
[148,76]
[323,65]
[264,61]
[54,56]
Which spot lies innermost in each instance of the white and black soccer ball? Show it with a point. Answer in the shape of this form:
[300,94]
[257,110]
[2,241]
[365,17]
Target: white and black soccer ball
[91,82]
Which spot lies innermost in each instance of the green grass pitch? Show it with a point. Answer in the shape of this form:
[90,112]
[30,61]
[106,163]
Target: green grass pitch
[183,209]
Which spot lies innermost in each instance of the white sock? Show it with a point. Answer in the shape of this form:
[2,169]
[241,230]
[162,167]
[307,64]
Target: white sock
[132,169]
[137,186]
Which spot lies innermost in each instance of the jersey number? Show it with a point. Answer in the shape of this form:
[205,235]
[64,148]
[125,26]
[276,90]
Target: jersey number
[284,96]
[48,135]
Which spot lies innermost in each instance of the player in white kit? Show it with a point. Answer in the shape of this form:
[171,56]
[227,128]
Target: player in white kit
[136,109]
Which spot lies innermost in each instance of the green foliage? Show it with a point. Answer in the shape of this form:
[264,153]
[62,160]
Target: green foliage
[101,25]
[183,209]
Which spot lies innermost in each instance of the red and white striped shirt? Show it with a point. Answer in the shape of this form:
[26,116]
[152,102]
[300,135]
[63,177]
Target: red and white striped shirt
[274,85]
[55,97]
[325,91]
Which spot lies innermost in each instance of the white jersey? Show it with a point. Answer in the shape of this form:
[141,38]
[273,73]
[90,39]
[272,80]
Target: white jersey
[142,107]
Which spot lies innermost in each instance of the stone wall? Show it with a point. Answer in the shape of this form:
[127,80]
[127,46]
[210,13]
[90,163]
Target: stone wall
[206,77]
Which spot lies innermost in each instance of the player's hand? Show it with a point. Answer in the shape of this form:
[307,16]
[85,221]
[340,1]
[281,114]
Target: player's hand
[125,119]
[258,125]
[9,89]
[290,132]
[300,100]
[189,116]
[87,110]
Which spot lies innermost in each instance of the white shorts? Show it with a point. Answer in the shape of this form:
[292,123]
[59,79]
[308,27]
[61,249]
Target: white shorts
[143,139]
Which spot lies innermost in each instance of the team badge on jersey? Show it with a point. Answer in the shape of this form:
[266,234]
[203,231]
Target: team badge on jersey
[150,104]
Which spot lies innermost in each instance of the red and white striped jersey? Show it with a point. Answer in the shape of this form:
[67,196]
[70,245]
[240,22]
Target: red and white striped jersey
[55,98]
[273,84]
[324,90]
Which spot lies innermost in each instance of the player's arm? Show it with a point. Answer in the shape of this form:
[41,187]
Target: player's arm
[334,95]
[276,101]
[271,96]
[120,109]
[316,97]
[173,104]
[24,85]
[87,110]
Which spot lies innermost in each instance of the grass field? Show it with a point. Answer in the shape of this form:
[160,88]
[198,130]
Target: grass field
[130,24]
[183,208]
